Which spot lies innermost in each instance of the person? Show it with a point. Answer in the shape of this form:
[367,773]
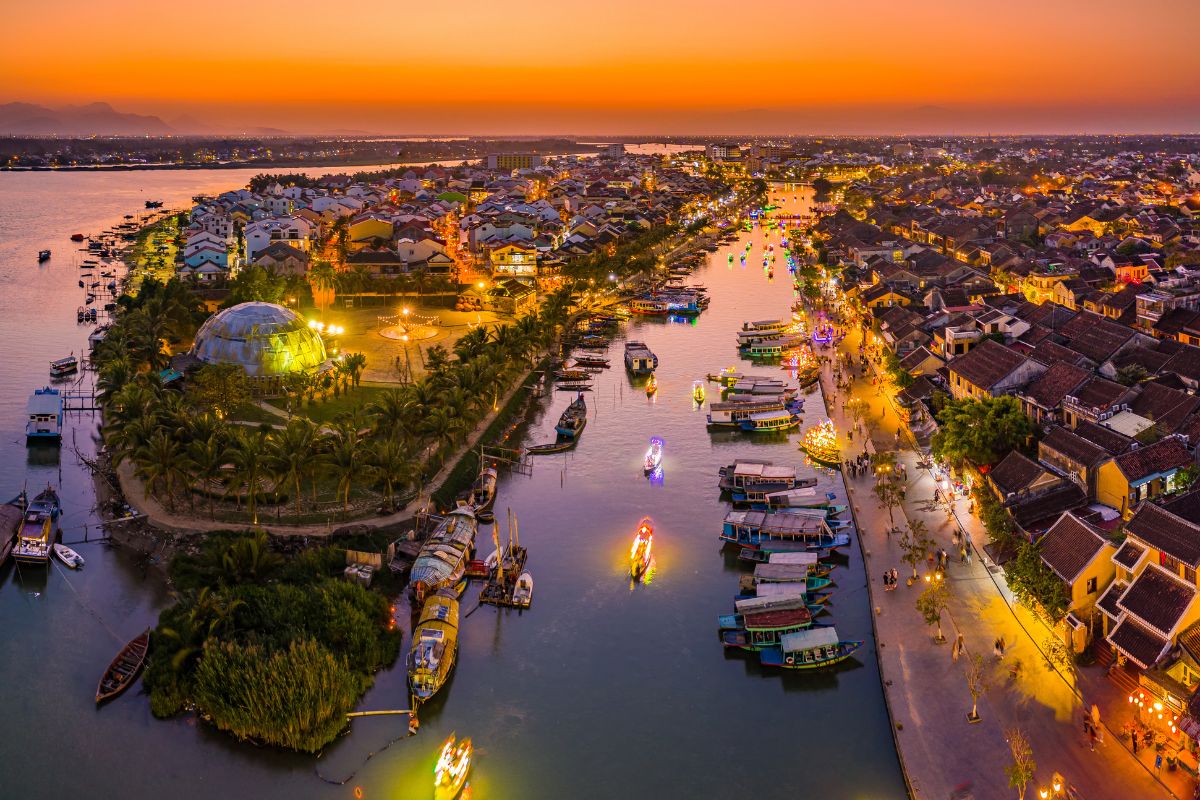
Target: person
[1092,737]
[895,577]
[1134,739]
[887,580]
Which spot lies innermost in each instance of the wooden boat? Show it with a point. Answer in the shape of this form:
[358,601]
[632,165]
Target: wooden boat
[770,421]
[591,360]
[483,493]
[809,649]
[639,360]
[434,645]
[36,533]
[77,237]
[561,446]
[641,552]
[442,558]
[453,765]
[654,455]
[651,386]
[64,366]
[523,591]
[765,628]
[68,556]
[698,393]
[573,386]
[44,416]
[43,255]
[754,528]
[124,669]
[573,419]
[732,413]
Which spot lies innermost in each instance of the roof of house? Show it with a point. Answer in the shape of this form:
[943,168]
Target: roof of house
[1112,441]
[1070,545]
[1139,643]
[1049,388]
[1128,553]
[986,364]
[1164,456]
[1166,531]
[1167,407]
[1047,351]
[1108,601]
[1036,512]
[1014,473]
[1098,393]
[1064,442]
[1157,598]
[1185,506]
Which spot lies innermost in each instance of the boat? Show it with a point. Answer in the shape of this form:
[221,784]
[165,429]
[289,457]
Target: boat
[68,556]
[573,419]
[450,774]
[698,392]
[154,203]
[442,558]
[64,366]
[641,553]
[753,528]
[803,497]
[732,413]
[44,416]
[560,446]
[434,644]
[591,360]
[648,306]
[766,325]
[124,669]
[770,421]
[638,358]
[36,532]
[654,455]
[764,628]
[77,237]
[821,444]
[739,477]
[523,591]
[483,493]
[808,649]
[651,386]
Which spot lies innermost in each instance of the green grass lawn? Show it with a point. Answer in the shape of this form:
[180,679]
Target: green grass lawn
[252,413]
[325,411]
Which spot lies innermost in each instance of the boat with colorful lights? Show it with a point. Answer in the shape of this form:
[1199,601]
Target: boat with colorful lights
[453,766]
[654,455]
[641,553]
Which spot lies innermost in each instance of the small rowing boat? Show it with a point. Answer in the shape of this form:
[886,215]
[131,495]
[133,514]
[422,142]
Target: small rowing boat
[523,591]
[124,669]
[68,556]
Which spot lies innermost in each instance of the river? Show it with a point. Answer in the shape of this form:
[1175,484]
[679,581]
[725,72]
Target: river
[602,689]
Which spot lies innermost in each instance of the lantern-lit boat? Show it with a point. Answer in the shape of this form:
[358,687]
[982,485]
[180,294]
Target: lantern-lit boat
[698,392]
[654,455]
[453,765]
[651,386]
[642,550]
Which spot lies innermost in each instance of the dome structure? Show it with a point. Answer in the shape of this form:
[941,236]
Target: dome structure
[267,340]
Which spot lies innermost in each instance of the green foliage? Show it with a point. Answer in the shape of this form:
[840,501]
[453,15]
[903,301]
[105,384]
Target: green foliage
[1022,769]
[932,602]
[822,187]
[219,388]
[915,544]
[252,641]
[1035,584]
[256,285]
[981,431]
[900,376]
[1130,374]
[699,225]
[995,518]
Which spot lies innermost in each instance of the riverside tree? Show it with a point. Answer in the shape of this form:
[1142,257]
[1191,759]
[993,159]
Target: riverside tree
[981,431]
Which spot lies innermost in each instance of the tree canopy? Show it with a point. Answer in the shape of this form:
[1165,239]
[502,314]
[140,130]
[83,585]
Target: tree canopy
[981,431]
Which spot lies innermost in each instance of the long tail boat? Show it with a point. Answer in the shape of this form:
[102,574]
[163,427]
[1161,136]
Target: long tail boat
[124,669]
[808,649]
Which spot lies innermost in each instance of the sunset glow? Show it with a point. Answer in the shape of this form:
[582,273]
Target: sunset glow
[623,66]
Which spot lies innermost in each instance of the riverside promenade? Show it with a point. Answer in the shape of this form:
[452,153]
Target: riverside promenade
[926,689]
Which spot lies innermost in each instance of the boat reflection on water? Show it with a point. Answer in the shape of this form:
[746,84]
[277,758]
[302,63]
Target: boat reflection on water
[450,774]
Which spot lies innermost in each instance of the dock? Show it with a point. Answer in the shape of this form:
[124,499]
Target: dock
[498,590]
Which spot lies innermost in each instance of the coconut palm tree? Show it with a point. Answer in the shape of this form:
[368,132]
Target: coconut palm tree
[323,279]
[248,453]
[472,343]
[391,465]
[344,459]
[206,461]
[291,454]
[355,364]
[161,465]
[392,413]
[443,426]
[116,373]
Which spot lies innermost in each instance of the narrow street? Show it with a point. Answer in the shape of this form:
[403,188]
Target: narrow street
[927,690]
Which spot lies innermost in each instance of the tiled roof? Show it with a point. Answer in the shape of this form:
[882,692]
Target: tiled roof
[1185,506]
[1064,442]
[1070,545]
[1167,407]
[1059,380]
[1163,456]
[1014,473]
[1108,601]
[987,364]
[1157,599]
[1099,393]
[1096,337]
[1036,512]
[1112,441]
[1050,352]
[1128,554]
[1140,644]
[1167,532]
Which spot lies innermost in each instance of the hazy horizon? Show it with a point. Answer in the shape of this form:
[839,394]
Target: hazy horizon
[924,67]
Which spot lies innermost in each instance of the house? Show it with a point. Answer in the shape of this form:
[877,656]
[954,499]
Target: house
[1081,556]
[514,260]
[282,258]
[884,296]
[1096,400]
[511,296]
[989,370]
[1018,477]
[921,362]
[1140,474]
[1042,399]
[1076,456]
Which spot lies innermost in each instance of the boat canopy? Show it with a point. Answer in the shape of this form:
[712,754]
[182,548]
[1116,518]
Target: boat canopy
[784,589]
[806,558]
[809,639]
[782,573]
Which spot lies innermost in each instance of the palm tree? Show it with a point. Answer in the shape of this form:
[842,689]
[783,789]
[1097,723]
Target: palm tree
[472,343]
[248,453]
[323,279]
[442,426]
[345,458]
[249,558]
[355,364]
[114,375]
[391,465]
[161,465]
[206,460]
[392,412]
[292,452]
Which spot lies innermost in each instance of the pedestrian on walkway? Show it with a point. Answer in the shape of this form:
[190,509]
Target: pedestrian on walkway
[1091,736]
[887,580]
[1134,739]
[895,577]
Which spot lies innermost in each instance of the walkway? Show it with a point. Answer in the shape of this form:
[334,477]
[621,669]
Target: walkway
[927,691]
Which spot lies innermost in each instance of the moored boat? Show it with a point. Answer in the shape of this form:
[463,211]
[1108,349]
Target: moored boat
[754,528]
[450,773]
[36,532]
[124,669]
[639,360]
[764,628]
[641,553]
[44,416]
[434,645]
[523,591]
[68,556]
[483,493]
[64,366]
[654,455]
[770,421]
[808,649]
[573,419]
[442,559]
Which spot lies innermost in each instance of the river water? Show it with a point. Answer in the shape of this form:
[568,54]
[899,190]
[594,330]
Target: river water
[602,689]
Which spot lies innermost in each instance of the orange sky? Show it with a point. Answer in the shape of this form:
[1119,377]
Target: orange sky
[613,66]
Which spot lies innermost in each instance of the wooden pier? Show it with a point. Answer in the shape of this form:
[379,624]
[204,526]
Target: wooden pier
[79,400]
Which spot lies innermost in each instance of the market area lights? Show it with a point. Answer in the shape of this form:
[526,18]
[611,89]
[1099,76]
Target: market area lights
[322,328]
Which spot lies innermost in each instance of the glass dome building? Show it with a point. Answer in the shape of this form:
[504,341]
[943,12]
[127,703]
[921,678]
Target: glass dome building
[267,340]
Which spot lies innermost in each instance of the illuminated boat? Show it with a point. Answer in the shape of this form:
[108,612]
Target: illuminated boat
[642,550]
[766,325]
[654,455]
[651,386]
[36,534]
[821,445]
[809,649]
[453,765]
[434,645]
[698,392]
[442,559]
[770,421]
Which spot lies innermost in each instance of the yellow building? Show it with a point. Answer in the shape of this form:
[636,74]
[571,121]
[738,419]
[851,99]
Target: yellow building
[514,261]
[364,230]
[1082,556]
[1038,286]
[1146,472]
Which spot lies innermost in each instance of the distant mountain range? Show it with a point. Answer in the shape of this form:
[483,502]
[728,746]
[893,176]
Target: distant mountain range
[101,119]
